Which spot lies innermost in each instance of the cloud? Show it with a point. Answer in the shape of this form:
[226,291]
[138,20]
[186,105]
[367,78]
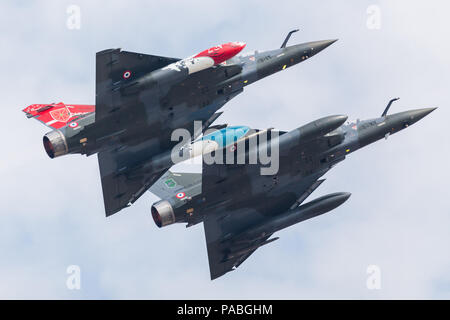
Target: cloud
[52,214]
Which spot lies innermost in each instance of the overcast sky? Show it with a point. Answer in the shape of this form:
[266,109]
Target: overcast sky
[398,218]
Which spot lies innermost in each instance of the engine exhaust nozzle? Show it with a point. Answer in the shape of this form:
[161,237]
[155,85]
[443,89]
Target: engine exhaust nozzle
[55,144]
[162,213]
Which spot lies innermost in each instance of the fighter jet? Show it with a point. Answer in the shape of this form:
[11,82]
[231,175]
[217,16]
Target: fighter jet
[241,209]
[141,99]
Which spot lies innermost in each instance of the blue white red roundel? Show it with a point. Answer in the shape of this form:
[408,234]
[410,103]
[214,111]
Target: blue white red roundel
[73,124]
[180,195]
[127,74]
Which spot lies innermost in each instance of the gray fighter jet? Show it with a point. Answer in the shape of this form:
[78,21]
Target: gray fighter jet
[241,209]
[141,99]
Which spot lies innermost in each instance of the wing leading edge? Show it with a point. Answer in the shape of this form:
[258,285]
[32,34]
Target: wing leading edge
[228,225]
[113,67]
[226,255]
[123,188]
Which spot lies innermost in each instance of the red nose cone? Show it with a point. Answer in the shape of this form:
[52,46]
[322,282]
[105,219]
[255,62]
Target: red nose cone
[222,52]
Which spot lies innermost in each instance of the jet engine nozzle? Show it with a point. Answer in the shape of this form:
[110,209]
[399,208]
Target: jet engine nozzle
[162,213]
[55,144]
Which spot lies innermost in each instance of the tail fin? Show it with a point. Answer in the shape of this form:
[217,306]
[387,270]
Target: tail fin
[57,115]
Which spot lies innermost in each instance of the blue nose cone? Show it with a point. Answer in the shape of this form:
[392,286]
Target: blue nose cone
[227,136]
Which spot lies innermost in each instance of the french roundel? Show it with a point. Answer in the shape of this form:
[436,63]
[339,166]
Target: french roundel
[180,195]
[73,124]
[127,74]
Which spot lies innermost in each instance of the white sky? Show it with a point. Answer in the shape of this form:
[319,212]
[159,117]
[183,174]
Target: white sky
[51,213]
